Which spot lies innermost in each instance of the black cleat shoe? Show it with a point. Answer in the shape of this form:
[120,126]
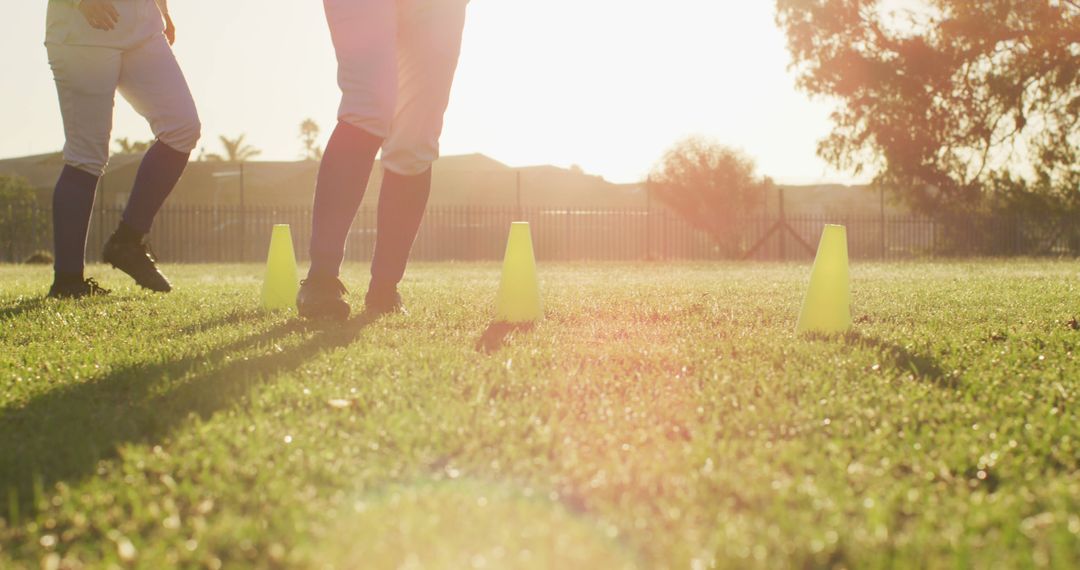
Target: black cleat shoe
[75,289]
[322,298]
[135,258]
[383,302]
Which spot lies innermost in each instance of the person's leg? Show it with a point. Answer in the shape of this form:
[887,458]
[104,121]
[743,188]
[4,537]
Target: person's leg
[151,80]
[364,37]
[339,190]
[363,33]
[429,38]
[402,201]
[86,80]
[73,204]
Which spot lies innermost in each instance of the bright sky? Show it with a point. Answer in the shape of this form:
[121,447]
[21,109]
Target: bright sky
[606,84]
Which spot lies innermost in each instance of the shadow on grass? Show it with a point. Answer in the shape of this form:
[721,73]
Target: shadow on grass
[26,305]
[232,318]
[497,334]
[923,368]
[21,307]
[62,435]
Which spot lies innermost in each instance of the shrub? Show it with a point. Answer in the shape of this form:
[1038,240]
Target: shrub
[40,257]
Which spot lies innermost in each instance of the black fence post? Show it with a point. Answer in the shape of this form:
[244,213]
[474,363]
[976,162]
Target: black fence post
[783,221]
[933,237]
[243,218]
[648,224]
[883,224]
[518,214]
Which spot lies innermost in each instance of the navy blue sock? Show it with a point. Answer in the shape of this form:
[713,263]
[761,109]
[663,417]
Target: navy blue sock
[73,204]
[402,201]
[158,174]
[343,178]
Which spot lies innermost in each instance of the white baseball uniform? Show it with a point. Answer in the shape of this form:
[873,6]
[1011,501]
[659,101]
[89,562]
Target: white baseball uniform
[90,65]
[396,64]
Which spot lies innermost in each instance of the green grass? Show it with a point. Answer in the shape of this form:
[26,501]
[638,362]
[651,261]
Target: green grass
[662,416]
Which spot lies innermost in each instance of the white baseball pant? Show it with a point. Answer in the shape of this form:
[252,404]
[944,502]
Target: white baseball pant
[396,64]
[90,65]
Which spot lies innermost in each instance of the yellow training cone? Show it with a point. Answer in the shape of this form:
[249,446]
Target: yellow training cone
[282,282]
[519,291]
[827,307]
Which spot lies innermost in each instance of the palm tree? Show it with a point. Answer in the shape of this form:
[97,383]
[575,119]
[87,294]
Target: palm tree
[235,150]
[125,145]
[309,134]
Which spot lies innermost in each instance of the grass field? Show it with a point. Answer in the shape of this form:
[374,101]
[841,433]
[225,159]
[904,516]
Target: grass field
[662,416]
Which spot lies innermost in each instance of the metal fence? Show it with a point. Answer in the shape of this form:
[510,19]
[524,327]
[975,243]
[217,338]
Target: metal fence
[202,234]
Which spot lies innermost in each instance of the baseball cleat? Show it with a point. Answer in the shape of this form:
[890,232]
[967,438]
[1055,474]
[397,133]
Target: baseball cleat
[75,289]
[322,298]
[135,258]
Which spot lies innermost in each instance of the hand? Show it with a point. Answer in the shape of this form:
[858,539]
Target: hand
[100,14]
[170,30]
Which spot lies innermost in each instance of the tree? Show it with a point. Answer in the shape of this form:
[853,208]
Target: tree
[127,146]
[950,103]
[23,225]
[709,185]
[309,136]
[236,150]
